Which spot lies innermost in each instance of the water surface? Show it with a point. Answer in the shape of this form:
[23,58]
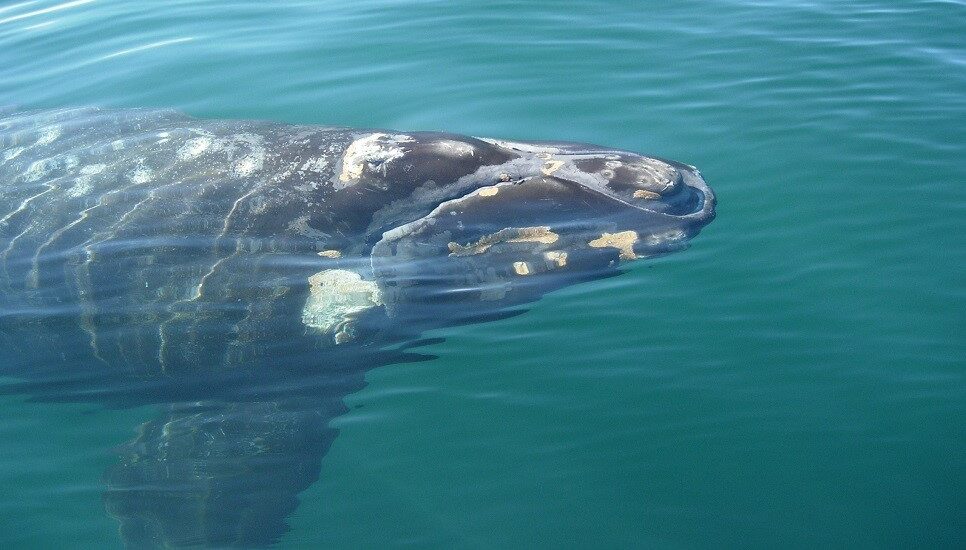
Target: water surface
[795,378]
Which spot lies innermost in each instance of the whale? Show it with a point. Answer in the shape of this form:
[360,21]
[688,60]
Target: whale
[242,277]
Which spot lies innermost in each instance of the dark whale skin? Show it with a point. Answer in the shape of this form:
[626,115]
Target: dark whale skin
[244,275]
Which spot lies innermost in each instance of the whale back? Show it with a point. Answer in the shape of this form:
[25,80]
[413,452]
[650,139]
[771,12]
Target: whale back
[149,241]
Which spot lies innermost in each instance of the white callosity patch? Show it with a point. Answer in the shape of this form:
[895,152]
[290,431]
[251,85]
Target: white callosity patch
[249,164]
[453,148]
[556,258]
[622,241]
[372,153]
[540,235]
[336,298]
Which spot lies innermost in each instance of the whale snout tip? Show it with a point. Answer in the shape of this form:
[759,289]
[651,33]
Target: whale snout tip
[659,222]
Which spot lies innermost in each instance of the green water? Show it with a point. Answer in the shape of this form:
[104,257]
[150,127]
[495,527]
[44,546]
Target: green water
[795,378]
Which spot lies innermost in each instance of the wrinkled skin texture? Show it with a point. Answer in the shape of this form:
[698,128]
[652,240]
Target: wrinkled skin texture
[148,257]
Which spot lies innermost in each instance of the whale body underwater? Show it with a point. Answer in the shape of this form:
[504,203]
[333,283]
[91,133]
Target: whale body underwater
[150,257]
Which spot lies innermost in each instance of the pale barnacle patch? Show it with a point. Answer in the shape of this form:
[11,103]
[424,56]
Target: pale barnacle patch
[82,185]
[521,268]
[488,191]
[540,234]
[331,254]
[193,148]
[49,135]
[336,298]
[623,241]
[372,152]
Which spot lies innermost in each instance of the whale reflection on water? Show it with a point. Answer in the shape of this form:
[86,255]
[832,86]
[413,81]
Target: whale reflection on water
[243,276]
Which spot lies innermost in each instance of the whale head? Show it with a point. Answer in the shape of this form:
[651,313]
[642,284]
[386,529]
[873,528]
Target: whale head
[520,219]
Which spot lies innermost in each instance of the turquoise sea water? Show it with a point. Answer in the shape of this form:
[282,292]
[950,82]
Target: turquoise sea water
[795,378]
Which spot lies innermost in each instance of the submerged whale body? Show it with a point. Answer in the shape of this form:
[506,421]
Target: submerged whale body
[246,274]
